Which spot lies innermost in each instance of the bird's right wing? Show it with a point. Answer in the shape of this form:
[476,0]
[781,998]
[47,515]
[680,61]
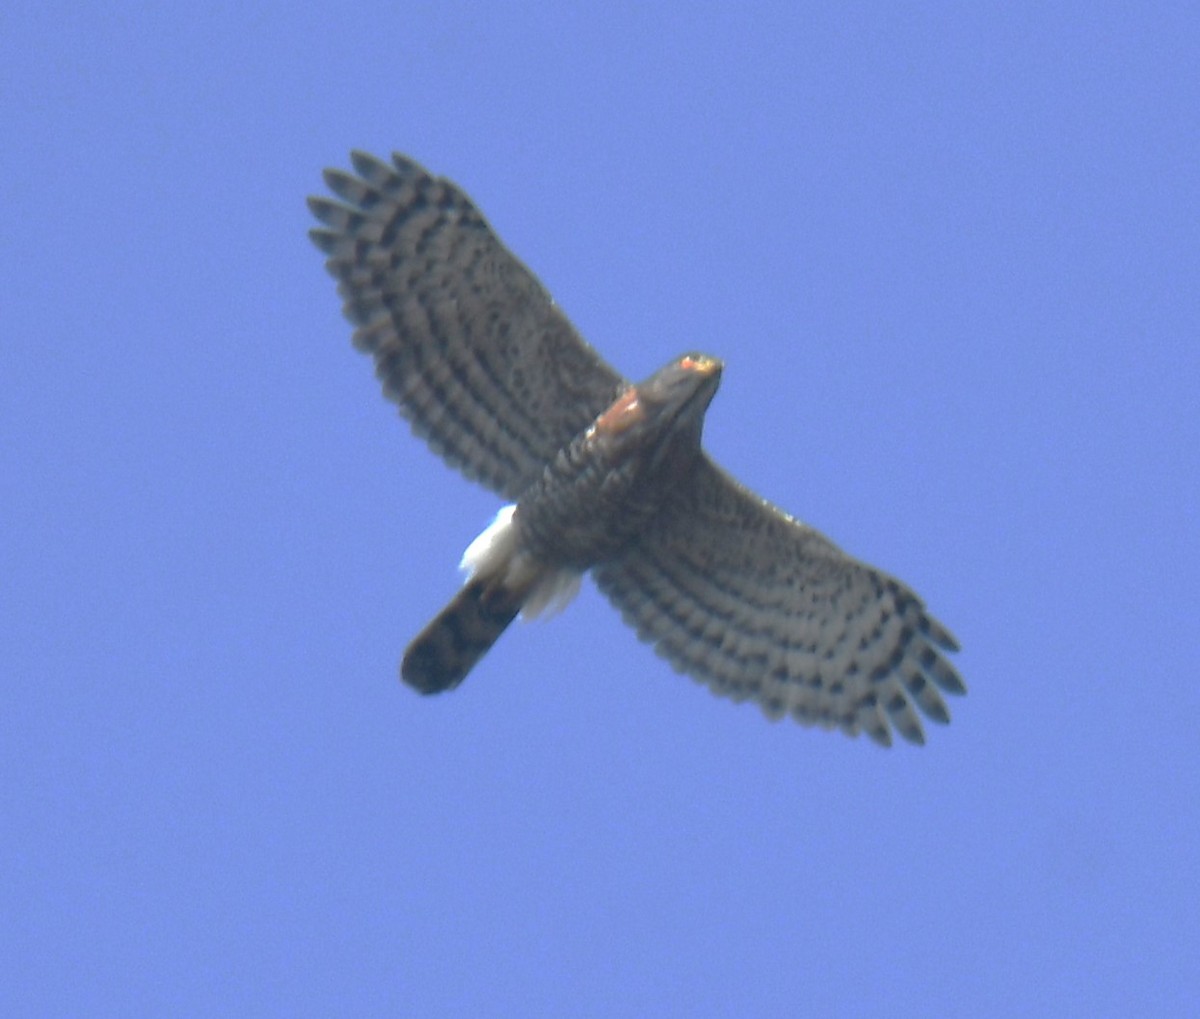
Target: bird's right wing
[758,605]
[465,339]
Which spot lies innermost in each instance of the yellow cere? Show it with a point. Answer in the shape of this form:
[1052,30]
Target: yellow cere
[698,364]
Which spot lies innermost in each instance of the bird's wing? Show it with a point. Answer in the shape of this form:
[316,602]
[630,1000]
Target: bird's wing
[758,605]
[465,339]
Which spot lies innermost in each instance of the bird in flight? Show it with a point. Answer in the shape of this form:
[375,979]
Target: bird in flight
[609,476]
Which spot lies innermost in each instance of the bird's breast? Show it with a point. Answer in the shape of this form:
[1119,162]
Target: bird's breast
[596,495]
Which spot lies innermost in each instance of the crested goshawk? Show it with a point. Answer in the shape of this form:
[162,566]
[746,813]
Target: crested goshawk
[606,476]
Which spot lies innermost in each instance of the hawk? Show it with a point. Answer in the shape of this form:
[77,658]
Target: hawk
[607,476]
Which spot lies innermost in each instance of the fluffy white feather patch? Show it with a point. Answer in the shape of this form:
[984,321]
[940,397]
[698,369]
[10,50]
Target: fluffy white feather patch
[490,552]
[494,552]
[552,594]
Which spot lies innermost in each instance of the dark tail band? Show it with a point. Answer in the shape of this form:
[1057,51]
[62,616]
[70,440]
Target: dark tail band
[442,654]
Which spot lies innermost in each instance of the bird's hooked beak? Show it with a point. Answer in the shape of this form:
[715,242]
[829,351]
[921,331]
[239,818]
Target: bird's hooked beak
[702,364]
[705,375]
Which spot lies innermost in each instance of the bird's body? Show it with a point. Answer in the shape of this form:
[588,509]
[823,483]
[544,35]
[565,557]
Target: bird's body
[590,501]
[609,477]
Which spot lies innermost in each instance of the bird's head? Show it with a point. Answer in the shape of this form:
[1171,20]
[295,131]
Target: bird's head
[664,413]
[682,389]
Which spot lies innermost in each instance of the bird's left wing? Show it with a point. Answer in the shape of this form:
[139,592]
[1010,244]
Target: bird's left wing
[465,339]
[760,606]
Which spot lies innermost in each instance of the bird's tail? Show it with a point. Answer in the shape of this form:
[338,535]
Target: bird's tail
[503,581]
[442,654]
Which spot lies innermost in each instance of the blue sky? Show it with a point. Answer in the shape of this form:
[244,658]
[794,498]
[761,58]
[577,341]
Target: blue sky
[950,256]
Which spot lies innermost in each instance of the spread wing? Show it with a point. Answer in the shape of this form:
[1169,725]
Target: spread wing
[465,339]
[757,605]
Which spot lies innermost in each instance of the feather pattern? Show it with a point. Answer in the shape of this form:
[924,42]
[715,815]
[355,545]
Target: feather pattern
[465,339]
[760,606]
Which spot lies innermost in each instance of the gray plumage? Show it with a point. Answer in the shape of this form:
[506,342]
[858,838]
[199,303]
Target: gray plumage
[609,477]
